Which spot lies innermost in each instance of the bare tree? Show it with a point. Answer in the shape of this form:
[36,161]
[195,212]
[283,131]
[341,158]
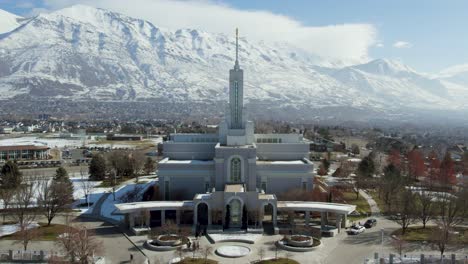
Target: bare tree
[53,197]
[405,207]
[442,237]
[26,234]
[24,213]
[137,163]
[80,244]
[425,207]
[399,244]
[6,195]
[86,185]
[452,209]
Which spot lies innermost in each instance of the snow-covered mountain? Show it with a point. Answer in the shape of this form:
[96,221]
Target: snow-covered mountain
[84,53]
[8,21]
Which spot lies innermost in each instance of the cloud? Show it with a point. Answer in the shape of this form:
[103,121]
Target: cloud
[402,45]
[346,42]
[24,4]
[379,45]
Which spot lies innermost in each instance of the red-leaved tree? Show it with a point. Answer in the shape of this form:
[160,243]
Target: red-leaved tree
[447,171]
[394,158]
[416,166]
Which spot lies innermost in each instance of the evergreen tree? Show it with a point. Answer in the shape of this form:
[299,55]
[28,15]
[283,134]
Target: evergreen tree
[62,181]
[97,167]
[61,173]
[366,168]
[11,175]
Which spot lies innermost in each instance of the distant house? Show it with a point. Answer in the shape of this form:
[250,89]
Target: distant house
[324,145]
[123,137]
[6,130]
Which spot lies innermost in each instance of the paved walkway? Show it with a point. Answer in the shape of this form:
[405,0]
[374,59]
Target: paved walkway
[373,205]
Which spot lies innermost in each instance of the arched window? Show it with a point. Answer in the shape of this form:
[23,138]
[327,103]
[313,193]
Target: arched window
[235,170]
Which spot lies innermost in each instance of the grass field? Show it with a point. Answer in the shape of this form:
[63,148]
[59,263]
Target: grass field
[362,206]
[46,233]
[278,261]
[417,233]
[196,261]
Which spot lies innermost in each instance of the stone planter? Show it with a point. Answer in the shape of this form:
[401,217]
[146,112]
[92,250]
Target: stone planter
[300,241]
[176,241]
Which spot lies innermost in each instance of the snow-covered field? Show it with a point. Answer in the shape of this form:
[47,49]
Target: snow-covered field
[6,230]
[37,141]
[55,142]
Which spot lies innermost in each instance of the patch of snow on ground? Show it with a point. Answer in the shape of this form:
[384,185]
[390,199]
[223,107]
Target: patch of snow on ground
[6,230]
[108,207]
[94,194]
[240,236]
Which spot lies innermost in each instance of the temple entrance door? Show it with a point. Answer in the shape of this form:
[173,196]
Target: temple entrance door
[202,214]
[267,221]
[235,213]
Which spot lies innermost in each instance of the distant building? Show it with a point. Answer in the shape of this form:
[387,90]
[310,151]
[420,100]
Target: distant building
[24,152]
[123,137]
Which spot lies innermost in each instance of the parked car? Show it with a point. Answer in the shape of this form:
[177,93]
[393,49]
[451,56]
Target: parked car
[356,229]
[395,217]
[370,223]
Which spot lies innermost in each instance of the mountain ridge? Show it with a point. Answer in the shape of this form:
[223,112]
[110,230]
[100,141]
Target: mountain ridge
[85,53]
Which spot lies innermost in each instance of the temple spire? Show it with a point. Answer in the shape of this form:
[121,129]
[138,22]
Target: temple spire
[236,66]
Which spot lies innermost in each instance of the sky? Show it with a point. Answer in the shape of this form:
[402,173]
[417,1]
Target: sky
[427,35]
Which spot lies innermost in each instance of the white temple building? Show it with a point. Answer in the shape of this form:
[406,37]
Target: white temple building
[231,179]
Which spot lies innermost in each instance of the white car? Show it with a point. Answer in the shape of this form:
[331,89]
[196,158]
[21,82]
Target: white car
[356,229]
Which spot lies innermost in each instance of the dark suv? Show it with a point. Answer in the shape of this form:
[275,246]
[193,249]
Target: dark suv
[370,223]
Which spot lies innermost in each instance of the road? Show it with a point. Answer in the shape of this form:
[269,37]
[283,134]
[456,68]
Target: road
[73,171]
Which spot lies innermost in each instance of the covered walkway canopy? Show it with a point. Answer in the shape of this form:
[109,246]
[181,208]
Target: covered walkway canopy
[154,205]
[316,207]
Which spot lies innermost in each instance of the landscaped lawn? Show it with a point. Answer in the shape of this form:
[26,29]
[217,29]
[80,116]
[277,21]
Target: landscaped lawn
[196,261]
[278,261]
[46,233]
[417,233]
[362,206]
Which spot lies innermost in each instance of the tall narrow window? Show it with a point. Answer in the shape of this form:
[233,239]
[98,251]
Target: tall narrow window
[166,190]
[236,104]
[235,170]
[264,186]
